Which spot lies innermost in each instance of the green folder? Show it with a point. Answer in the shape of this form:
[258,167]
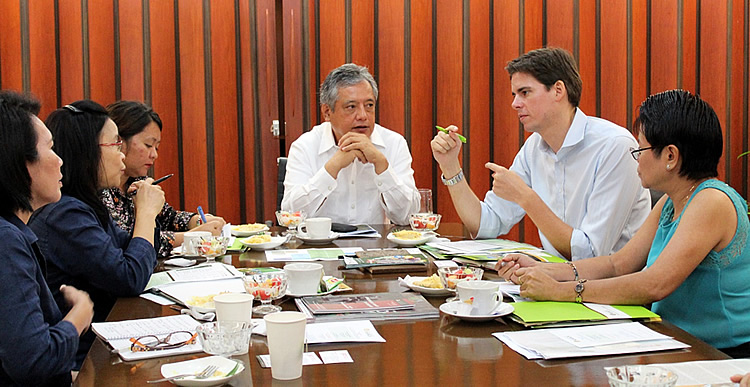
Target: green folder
[536,313]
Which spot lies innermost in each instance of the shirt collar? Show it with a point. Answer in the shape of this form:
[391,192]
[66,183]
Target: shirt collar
[25,230]
[328,141]
[576,131]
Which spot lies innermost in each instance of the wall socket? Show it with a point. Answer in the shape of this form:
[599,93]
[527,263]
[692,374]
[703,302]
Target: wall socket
[275,128]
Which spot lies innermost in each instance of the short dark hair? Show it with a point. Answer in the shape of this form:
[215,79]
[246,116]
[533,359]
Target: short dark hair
[132,117]
[348,74]
[76,128]
[683,119]
[549,65]
[18,141]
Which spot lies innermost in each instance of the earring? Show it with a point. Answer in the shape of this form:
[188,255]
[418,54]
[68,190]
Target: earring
[669,167]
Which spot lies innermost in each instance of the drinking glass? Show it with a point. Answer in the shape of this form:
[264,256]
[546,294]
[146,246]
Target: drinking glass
[225,338]
[210,247]
[450,276]
[266,287]
[290,220]
[425,201]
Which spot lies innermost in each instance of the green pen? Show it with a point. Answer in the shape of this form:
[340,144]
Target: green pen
[444,130]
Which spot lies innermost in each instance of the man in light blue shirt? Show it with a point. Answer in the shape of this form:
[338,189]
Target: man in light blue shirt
[574,177]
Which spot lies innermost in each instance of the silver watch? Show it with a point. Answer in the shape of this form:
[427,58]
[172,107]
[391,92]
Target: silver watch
[453,180]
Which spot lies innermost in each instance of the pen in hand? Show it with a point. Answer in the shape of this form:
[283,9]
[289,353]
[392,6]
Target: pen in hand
[444,130]
[159,180]
[202,214]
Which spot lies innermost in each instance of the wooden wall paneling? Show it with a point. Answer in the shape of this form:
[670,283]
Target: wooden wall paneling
[736,109]
[294,99]
[132,72]
[71,51]
[11,63]
[533,32]
[314,77]
[560,31]
[42,63]
[390,71]
[164,98]
[248,85]
[713,78]
[267,101]
[587,55]
[101,54]
[479,20]
[364,30]
[688,76]
[664,41]
[193,103]
[449,87]
[507,46]
[421,105]
[639,70]
[224,87]
[614,63]
[332,36]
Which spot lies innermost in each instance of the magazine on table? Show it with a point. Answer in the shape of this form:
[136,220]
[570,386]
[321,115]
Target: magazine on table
[385,257]
[419,308]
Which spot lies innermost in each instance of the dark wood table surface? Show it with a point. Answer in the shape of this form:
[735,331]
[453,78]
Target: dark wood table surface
[444,351]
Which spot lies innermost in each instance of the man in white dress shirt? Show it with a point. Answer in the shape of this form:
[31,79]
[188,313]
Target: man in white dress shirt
[349,168]
[574,177]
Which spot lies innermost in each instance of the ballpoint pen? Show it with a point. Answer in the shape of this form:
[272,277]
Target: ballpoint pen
[159,180]
[444,130]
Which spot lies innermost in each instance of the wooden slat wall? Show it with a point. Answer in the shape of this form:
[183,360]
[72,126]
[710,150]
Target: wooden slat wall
[210,69]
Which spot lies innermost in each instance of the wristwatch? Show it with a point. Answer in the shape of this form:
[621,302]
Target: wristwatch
[453,180]
[579,290]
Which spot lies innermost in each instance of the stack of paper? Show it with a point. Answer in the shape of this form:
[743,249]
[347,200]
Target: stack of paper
[118,334]
[362,231]
[555,343]
[302,255]
[551,313]
[486,251]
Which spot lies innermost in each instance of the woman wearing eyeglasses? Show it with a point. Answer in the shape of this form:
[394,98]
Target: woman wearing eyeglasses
[691,258]
[82,244]
[38,343]
[140,129]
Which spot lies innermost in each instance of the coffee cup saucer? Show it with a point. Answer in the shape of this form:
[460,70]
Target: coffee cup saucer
[307,239]
[456,309]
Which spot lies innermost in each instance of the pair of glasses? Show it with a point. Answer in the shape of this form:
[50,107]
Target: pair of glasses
[636,153]
[117,145]
[171,341]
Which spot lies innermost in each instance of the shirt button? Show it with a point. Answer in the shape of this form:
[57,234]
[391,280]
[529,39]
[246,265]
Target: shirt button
[329,188]
[379,184]
[352,206]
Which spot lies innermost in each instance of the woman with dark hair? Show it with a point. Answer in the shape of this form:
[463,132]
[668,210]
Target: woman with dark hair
[691,258]
[82,244]
[140,129]
[37,343]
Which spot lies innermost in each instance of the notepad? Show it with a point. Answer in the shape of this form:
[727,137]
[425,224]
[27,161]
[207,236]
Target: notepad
[542,313]
[118,334]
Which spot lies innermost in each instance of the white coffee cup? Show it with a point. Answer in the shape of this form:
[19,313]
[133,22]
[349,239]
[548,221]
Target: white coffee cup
[234,307]
[484,296]
[189,248]
[286,340]
[303,278]
[315,228]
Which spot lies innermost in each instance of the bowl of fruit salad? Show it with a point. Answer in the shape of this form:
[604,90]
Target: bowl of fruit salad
[424,222]
[451,276]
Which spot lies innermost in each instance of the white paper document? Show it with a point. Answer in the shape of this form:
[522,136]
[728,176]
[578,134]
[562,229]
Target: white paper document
[302,255]
[547,344]
[308,358]
[333,357]
[343,332]
[184,291]
[592,336]
[119,333]
[707,372]
[462,247]
[608,311]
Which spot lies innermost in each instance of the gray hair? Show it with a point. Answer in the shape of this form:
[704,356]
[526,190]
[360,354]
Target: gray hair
[349,74]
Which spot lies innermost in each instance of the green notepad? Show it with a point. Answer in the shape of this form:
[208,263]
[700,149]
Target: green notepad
[547,312]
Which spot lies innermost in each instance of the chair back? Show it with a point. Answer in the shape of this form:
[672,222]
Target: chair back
[281,163]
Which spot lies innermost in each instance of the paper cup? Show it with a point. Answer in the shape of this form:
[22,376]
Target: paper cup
[315,228]
[303,278]
[286,339]
[234,307]
[484,296]
[189,248]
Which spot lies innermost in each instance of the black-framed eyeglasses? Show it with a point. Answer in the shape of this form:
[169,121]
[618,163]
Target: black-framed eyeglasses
[636,153]
[153,343]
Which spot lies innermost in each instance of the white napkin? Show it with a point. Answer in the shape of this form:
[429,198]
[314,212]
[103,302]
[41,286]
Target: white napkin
[182,262]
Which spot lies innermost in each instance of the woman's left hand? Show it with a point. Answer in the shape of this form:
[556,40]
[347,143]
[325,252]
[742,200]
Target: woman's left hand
[536,284]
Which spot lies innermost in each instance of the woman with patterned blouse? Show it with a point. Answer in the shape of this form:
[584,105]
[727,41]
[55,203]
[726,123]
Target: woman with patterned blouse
[140,129]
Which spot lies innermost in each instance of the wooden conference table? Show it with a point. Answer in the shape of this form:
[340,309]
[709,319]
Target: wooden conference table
[444,351]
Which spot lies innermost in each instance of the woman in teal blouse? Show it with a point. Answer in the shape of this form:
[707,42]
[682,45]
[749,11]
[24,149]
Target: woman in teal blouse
[691,258]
